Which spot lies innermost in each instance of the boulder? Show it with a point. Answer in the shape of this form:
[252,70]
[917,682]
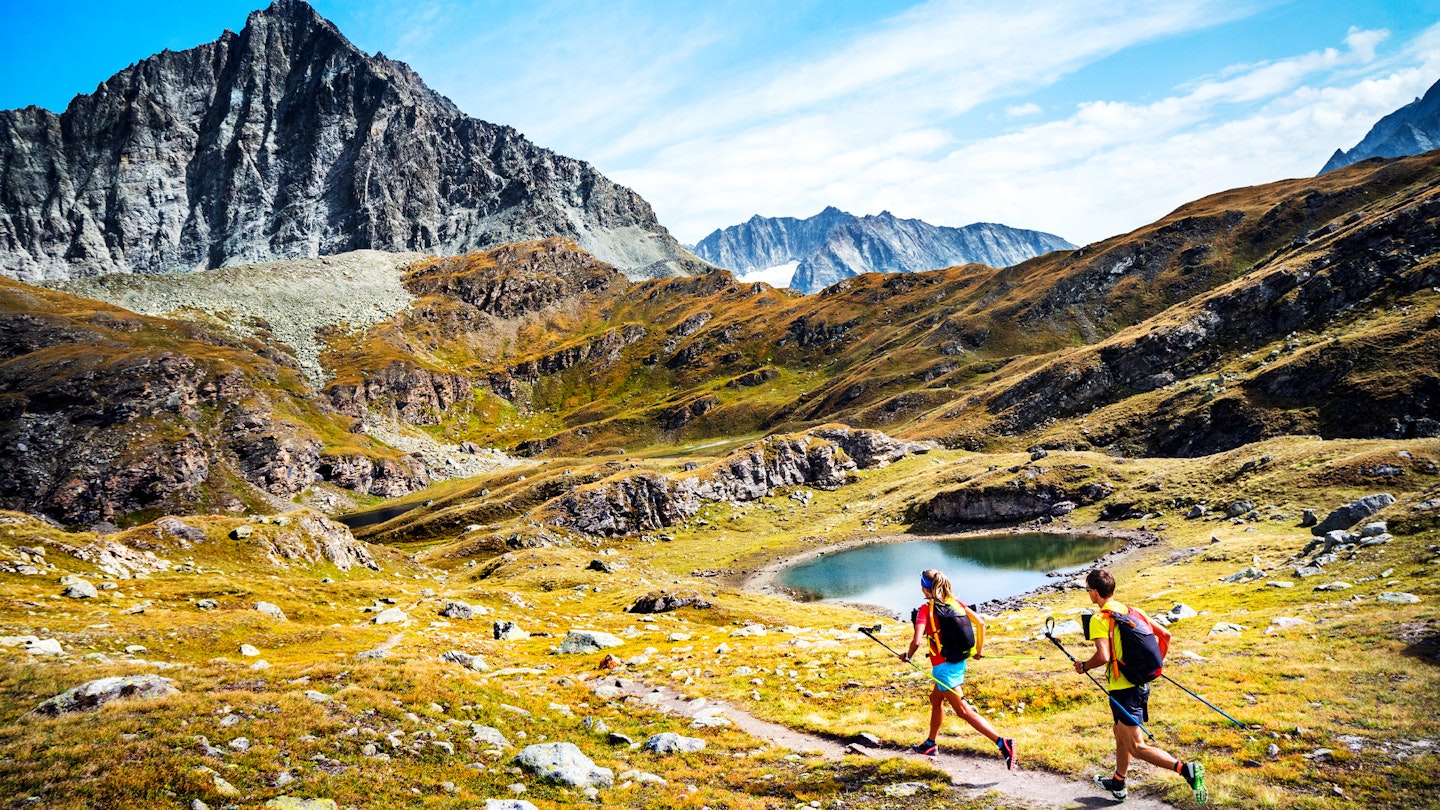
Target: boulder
[1245,575]
[241,532]
[1374,529]
[1280,623]
[1066,628]
[1353,512]
[80,589]
[97,693]
[489,735]
[587,641]
[1334,586]
[1308,518]
[466,660]
[1398,598]
[601,566]
[1196,512]
[508,631]
[248,651]
[455,609]
[1238,508]
[563,763]
[207,604]
[390,616]
[1226,629]
[671,743]
[271,610]
[509,804]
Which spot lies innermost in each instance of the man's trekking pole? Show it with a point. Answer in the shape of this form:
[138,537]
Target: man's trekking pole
[870,633]
[1203,700]
[1050,634]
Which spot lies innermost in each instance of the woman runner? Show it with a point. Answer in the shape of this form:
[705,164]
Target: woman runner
[942,621]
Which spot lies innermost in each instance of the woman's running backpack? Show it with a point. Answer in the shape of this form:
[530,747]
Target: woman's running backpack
[954,629]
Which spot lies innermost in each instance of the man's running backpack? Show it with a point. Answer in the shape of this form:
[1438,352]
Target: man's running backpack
[954,629]
[1143,644]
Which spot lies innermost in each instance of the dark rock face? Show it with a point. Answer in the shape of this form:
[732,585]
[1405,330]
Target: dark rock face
[285,141]
[664,602]
[405,392]
[834,245]
[386,477]
[1009,503]
[1352,513]
[1410,130]
[647,501]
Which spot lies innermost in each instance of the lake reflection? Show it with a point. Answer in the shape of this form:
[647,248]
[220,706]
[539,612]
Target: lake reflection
[981,568]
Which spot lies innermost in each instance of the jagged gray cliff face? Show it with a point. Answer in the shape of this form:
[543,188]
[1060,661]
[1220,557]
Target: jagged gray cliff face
[835,245]
[1410,130]
[286,141]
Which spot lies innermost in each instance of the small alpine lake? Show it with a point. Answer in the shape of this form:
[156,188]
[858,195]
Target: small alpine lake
[981,568]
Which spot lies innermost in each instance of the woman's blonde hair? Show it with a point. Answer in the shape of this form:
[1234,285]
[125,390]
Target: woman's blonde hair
[939,584]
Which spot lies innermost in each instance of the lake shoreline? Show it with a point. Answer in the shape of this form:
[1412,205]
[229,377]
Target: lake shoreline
[764,580]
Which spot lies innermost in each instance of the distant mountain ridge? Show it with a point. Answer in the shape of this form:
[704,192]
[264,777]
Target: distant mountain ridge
[286,141]
[835,245]
[1410,130]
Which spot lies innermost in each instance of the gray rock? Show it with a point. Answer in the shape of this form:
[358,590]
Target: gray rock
[508,631]
[671,743]
[1067,628]
[207,604]
[1398,598]
[1353,512]
[1374,529]
[1308,518]
[1306,571]
[241,532]
[508,804]
[456,609]
[1179,612]
[293,803]
[390,616]
[563,763]
[1239,508]
[270,610]
[248,651]
[488,735]
[619,739]
[1245,575]
[1062,508]
[1226,629]
[1285,623]
[317,697]
[466,660]
[1196,512]
[587,641]
[1334,586]
[94,694]
[80,589]
[601,566]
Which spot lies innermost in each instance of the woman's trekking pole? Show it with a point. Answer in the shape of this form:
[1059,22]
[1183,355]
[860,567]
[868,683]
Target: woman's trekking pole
[1050,634]
[1203,700]
[870,632]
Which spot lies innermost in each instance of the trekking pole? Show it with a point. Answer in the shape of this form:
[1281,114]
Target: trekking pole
[870,633]
[1203,700]
[1050,634]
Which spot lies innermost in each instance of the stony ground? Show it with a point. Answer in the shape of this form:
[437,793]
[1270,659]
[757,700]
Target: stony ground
[290,300]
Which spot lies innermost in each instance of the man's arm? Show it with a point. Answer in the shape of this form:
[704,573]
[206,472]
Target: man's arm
[1099,659]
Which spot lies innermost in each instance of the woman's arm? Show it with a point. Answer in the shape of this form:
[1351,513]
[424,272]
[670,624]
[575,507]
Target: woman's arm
[915,639]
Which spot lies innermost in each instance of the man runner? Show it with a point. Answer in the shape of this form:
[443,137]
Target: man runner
[1100,587]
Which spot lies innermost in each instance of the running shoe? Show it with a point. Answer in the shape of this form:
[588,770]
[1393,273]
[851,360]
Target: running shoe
[1194,775]
[928,748]
[1115,786]
[1007,750]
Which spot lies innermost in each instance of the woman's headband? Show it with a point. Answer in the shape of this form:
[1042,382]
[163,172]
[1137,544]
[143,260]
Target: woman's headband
[925,582]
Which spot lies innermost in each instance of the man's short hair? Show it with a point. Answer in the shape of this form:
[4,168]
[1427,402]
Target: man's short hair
[1101,582]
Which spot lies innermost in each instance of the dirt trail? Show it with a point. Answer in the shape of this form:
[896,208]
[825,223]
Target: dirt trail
[972,775]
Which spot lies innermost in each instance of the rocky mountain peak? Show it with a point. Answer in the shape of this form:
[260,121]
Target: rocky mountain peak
[287,141]
[1410,130]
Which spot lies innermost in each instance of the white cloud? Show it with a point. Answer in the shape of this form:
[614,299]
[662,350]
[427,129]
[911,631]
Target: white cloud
[1108,167]
[1027,110]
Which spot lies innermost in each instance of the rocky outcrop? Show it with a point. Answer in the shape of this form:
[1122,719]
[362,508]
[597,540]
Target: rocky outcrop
[97,693]
[834,245]
[870,449]
[286,141]
[1410,130]
[1012,502]
[648,501]
[403,391]
[386,477]
[1352,513]
[312,539]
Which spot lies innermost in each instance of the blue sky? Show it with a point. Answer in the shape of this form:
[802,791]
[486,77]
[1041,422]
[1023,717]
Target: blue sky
[1084,119]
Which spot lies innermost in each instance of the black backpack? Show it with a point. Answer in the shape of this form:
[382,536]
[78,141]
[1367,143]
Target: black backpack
[957,634]
[1143,648]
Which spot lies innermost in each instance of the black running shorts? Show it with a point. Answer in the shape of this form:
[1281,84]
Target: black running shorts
[1136,701]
